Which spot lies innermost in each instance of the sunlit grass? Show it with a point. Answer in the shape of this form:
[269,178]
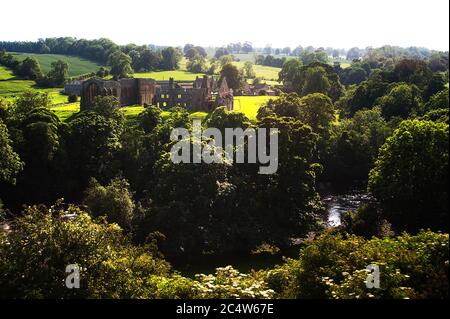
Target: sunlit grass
[77,66]
[249,105]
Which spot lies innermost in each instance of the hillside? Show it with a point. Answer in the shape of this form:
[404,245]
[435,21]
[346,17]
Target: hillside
[77,66]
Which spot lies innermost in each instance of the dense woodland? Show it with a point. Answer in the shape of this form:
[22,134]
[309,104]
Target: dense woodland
[102,191]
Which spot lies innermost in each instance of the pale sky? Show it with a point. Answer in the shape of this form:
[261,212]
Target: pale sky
[333,23]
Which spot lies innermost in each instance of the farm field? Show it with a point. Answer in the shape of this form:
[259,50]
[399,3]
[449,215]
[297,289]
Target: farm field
[77,66]
[249,105]
[261,71]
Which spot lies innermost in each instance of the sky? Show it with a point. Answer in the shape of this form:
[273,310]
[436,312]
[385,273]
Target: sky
[280,23]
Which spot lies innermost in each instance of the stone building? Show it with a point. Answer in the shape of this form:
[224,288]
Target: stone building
[73,88]
[204,94]
[128,91]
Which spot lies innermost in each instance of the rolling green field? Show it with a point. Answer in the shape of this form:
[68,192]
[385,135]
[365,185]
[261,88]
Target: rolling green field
[265,72]
[10,87]
[5,74]
[77,66]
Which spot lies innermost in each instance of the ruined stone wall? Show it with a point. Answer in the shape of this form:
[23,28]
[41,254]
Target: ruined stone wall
[146,91]
[94,87]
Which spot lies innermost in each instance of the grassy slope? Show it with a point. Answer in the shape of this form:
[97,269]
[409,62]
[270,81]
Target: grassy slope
[10,87]
[266,72]
[77,66]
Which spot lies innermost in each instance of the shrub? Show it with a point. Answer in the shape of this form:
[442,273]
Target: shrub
[334,266]
[34,256]
[228,283]
[72,98]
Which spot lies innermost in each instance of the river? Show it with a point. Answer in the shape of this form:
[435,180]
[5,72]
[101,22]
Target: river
[339,203]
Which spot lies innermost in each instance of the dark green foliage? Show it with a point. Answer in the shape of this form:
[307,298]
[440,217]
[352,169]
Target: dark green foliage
[355,74]
[114,201]
[334,266]
[10,163]
[410,176]
[171,58]
[33,258]
[233,76]
[150,118]
[120,64]
[366,94]
[72,98]
[354,146]
[413,71]
[30,69]
[312,78]
[438,101]
[401,101]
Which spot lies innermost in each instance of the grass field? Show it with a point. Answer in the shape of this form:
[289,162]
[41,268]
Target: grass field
[5,74]
[248,105]
[11,87]
[261,71]
[178,75]
[77,66]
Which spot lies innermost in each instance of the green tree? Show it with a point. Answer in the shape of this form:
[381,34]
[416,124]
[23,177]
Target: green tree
[30,69]
[115,201]
[58,74]
[150,60]
[355,74]
[233,76]
[92,145]
[438,101]
[34,257]
[30,100]
[171,58]
[150,118]
[316,81]
[317,111]
[290,72]
[120,64]
[413,71]
[410,177]
[354,146]
[221,52]
[401,100]
[10,163]
[249,72]
[197,64]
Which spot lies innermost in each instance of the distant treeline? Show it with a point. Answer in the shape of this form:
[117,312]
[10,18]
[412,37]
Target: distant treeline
[96,50]
[143,58]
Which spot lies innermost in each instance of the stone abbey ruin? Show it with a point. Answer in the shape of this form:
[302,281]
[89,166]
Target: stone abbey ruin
[203,94]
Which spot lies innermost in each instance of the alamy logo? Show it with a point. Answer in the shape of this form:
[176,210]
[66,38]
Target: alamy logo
[373,277]
[215,150]
[73,277]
